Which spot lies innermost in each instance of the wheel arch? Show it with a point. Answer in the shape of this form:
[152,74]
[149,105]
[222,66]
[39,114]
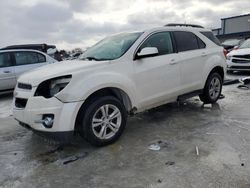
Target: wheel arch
[219,69]
[107,91]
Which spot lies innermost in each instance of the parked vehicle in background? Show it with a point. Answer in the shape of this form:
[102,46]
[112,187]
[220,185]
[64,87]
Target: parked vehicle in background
[41,47]
[230,44]
[239,60]
[13,63]
[122,74]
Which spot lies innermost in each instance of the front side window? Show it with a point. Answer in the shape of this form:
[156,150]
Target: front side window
[162,41]
[5,60]
[185,41]
[111,48]
[26,58]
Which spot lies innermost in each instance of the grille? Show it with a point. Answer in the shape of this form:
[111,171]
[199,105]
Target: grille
[242,56]
[241,60]
[24,86]
[240,67]
[20,103]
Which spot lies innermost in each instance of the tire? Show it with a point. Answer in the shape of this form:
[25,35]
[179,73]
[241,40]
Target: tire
[97,125]
[212,89]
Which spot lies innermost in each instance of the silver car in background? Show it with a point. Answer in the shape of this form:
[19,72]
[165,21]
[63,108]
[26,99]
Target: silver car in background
[15,62]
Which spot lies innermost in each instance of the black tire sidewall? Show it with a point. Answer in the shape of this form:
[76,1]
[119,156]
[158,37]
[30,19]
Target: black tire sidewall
[86,123]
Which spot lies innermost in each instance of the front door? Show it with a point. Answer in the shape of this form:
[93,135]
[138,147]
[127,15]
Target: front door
[7,73]
[157,78]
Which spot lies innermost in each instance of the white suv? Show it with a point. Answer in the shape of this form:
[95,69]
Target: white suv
[122,74]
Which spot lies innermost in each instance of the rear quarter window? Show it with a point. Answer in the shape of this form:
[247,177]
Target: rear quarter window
[211,37]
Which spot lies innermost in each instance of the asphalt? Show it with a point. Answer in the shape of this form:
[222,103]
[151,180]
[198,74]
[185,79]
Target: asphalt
[199,146]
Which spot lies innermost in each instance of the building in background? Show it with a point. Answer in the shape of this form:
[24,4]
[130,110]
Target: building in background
[236,27]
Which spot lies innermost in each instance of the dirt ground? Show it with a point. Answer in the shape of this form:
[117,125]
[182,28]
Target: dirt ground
[200,146]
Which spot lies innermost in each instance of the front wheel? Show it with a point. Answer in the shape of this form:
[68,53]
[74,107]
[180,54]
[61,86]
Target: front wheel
[103,121]
[212,89]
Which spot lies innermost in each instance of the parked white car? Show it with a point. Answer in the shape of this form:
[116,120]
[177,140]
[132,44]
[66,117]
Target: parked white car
[13,63]
[239,60]
[122,74]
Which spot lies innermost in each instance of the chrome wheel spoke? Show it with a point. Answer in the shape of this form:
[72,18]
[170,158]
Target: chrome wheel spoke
[106,110]
[112,128]
[103,111]
[115,114]
[102,132]
[97,122]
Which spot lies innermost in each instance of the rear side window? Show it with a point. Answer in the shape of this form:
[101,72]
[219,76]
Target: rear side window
[185,41]
[162,41]
[5,60]
[211,36]
[26,58]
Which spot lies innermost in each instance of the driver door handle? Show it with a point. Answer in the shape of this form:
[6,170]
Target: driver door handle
[203,54]
[6,71]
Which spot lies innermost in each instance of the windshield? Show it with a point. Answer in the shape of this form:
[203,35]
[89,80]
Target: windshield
[245,44]
[232,42]
[110,48]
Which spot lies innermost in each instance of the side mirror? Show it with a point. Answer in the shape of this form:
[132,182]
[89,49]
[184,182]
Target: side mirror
[147,52]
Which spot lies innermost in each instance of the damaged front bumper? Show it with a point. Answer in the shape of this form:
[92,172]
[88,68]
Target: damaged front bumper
[33,112]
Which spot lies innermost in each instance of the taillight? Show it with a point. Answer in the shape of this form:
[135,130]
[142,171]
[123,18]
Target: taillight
[225,52]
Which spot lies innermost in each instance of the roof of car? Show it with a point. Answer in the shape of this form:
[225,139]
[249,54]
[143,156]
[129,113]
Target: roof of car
[18,50]
[179,28]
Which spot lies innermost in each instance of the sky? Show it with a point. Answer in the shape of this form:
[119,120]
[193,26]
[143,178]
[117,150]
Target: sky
[73,24]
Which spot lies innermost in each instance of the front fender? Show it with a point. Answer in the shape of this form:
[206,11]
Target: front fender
[81,87]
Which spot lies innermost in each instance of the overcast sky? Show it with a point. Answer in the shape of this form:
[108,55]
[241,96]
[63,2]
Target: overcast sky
[81,23]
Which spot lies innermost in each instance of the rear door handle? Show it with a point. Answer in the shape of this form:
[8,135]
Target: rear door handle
[6,71]
[173,62]
[203,54]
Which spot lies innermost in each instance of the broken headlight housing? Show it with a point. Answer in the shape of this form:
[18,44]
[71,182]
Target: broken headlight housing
[228,57]
[51,87]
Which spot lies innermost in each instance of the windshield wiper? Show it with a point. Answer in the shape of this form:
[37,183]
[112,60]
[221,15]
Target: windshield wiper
[91,58]
[94,58]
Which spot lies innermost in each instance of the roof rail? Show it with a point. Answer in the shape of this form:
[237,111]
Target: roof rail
[184,25]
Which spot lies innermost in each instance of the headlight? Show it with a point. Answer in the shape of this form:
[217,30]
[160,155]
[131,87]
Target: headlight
[51,87]
[229,57]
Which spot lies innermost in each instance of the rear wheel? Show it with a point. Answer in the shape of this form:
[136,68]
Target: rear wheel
[212,89]
[103,121]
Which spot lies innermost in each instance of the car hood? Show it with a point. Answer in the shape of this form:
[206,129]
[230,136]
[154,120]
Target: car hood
[245,51]
[36,76]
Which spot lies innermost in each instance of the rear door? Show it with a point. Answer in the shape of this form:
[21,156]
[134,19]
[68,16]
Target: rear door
[7,72]
[192,53]
[28,60]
